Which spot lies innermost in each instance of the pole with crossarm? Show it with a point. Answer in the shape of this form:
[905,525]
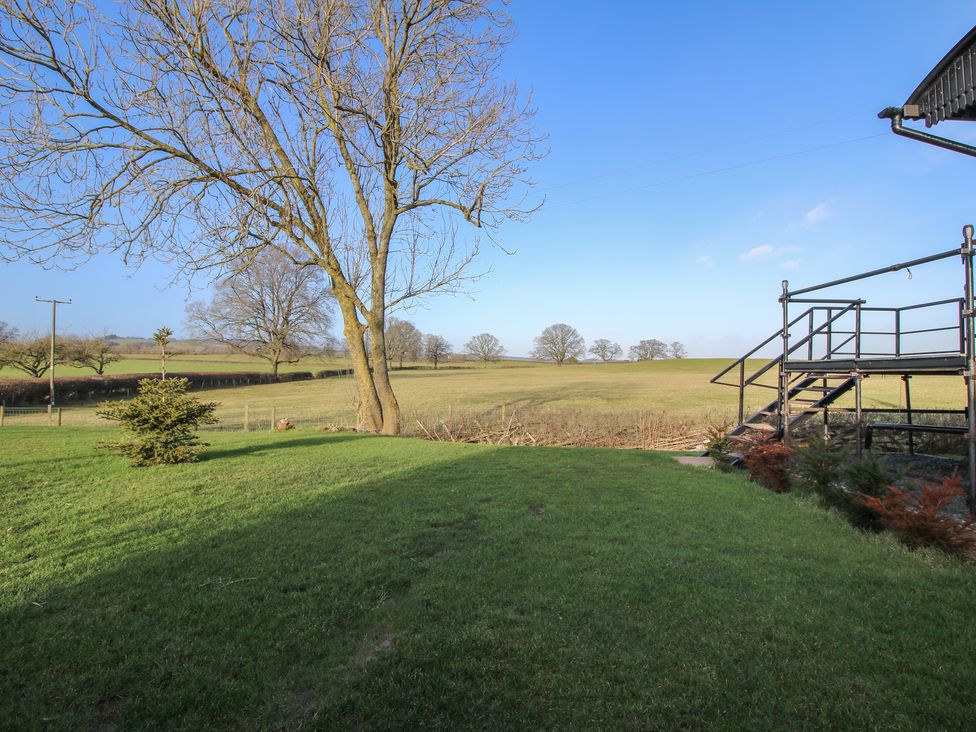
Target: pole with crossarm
[54,325]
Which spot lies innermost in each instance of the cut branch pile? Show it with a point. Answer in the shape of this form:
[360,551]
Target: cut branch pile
[565,428]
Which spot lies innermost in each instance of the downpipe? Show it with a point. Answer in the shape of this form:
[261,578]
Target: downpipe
[897,115]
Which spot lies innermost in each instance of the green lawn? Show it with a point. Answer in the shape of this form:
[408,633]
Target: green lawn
[339,581]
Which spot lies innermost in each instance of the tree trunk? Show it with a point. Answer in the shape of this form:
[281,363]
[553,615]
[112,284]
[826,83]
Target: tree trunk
[381,379]
[369,411]
[274,368]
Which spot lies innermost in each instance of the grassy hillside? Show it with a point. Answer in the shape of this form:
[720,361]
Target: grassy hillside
[338,581]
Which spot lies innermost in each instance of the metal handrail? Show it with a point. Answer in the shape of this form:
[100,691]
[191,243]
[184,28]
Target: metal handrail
[742,359]
[741,362]
[833,349]
[897,333]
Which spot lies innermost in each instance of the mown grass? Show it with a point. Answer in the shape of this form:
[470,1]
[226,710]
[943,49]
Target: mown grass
[338,580]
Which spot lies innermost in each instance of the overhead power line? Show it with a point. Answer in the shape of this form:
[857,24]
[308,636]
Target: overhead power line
[705,151]
[715,171]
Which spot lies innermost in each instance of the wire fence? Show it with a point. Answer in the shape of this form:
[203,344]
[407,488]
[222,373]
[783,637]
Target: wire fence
[31,416]
[231,419]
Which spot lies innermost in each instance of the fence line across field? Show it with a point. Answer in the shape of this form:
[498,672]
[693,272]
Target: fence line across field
[54,415]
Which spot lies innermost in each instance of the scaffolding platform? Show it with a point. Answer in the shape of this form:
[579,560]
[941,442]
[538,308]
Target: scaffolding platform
[827,351]
[937,365]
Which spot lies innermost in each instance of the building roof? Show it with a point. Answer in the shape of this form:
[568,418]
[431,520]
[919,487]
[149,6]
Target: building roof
[949,90]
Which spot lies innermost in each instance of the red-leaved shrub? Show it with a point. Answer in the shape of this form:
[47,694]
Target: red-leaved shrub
[768,463]
[918,518]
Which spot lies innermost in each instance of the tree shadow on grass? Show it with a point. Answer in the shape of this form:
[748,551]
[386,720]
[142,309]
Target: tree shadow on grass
[210,452]
[323,438]
[505,587]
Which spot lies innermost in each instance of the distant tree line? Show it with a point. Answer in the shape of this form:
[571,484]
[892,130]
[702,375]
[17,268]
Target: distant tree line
[405,342]
[224,324]
[561,343]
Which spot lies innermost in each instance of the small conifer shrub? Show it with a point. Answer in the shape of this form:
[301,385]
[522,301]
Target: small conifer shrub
[720,448]
[768,462]
[161,420]
[919,518]
[820,467]
[866,477]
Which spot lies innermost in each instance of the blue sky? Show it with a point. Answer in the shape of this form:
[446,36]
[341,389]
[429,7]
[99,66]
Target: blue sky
[699,154]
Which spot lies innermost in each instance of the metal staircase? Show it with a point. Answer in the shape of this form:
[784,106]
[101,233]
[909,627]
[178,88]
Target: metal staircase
[809,395]
[834,350]
[799,395]
[828,356]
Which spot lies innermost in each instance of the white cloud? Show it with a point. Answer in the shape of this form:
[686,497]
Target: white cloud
[705,260]
[756,252]
[792,265]
[815,214]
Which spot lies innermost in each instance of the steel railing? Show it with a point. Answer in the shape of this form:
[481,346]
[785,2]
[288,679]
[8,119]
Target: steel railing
[822,320]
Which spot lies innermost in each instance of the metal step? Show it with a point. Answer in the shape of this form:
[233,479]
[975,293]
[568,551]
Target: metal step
[798,407]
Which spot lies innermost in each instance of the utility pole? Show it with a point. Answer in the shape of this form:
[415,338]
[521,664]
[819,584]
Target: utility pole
[54,325]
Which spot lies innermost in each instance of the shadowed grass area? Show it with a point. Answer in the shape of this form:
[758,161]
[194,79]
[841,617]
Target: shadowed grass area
[337,580]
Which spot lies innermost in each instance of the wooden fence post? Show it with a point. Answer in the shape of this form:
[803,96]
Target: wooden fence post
[59,416]
[50,416]
[247,418]
[273,415]
[1,415]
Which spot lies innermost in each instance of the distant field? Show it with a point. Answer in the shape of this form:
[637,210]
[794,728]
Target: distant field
[148,364]
[677,388]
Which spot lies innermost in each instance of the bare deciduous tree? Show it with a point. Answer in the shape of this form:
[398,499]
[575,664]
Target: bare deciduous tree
[436,349]
[559,343]
[30,354]
[7,333]
[271,309]
[606,350]
[648,350]
[362,133]
[677,350]
[403,340]
[486,347]
[93,352]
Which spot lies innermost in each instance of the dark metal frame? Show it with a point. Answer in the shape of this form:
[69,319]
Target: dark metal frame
[844,355]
